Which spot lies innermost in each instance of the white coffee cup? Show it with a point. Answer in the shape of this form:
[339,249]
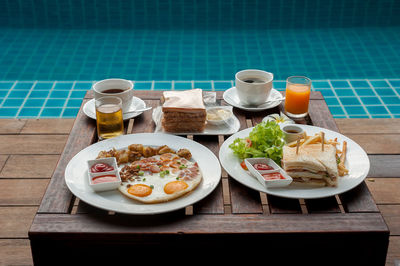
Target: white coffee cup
[100,89]
[255,92]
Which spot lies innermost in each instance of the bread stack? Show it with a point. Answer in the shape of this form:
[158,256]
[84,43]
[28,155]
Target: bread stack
[183,111]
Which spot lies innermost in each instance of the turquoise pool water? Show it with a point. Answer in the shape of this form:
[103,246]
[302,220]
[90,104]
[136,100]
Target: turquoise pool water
[52,50]
[346,98]
[94,54]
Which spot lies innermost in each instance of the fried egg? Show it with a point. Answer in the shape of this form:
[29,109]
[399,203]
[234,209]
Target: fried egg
[161,178]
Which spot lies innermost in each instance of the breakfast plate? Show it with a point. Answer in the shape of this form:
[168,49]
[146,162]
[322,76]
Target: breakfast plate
[76,174]
[137,103]
[357,163]
[231,126]
[230,96]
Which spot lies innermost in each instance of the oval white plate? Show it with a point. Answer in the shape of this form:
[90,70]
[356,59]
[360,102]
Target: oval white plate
[77,181]
[230,96]
[357,163]
[137,103]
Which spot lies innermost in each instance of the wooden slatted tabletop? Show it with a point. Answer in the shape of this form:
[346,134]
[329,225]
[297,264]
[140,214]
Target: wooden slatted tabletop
[231,220]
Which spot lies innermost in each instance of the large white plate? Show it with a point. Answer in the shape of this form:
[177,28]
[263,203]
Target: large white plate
[230,127]
[230,96]
[357,163]
[137,103]
[77,181]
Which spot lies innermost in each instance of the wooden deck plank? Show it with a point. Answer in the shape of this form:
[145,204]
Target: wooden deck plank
[11,126]
[153,226]
[22,191]
[358,199]
[214,202]
[393,251]
[57,197]
[384,190]
[244,199]
[384,165]
[318,113]
[15,252]
[3,160]
[15,221]
[391,215]
[378,143]
[29,166]
[324,205]
[369,126]
[47,126]
[278,205]
[32,144]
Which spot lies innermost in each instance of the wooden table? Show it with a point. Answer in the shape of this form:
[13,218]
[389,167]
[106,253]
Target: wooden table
[233,223]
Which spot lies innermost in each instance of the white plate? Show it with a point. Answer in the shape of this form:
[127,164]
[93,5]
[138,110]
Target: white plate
[77,181]
[357,163]
[137,103]
[229,128]
[230,96]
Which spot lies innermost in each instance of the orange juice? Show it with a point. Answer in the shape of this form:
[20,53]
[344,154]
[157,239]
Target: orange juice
[297,98]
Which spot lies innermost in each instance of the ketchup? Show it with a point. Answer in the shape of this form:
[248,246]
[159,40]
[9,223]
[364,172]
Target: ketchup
[104,179]
[262,166]
[273,176]
[101,167]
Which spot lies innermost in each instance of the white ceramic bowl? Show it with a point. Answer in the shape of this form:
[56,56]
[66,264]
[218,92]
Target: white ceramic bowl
[224,113]
[106,185]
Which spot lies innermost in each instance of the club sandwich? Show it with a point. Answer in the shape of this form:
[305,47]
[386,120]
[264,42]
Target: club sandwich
[310,165]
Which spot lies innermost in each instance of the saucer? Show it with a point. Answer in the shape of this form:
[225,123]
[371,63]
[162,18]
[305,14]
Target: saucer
[230,96]
[137,103]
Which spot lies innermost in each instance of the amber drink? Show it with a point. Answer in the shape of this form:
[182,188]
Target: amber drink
[297,96]
[109,117]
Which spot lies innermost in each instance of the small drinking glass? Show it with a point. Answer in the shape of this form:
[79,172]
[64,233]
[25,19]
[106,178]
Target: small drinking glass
[109,117]
[298,90]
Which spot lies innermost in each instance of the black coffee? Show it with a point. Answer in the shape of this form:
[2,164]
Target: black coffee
[254,80]
[113,91]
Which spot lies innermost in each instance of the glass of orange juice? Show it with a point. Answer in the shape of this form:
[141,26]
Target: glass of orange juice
[298,90]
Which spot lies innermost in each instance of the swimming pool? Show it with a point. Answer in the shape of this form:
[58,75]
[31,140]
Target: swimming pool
[50,52]
[346,98]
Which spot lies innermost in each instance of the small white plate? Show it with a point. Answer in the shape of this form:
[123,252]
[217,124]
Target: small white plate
[230,96]
[137,103]
[230,127]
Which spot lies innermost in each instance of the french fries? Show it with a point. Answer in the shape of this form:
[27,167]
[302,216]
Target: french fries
[319,138]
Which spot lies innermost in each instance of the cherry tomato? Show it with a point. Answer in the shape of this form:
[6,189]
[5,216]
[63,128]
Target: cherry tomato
[262,166]
[249,143]
[243,165]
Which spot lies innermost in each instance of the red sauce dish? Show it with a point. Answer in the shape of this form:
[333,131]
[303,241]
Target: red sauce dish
[104,179]
[101,167]
[273,176]
[262,167]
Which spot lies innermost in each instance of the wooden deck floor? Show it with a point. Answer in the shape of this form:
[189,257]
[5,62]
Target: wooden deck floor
[30,149]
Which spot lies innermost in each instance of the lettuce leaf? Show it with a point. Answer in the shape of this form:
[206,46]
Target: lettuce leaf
[265,140]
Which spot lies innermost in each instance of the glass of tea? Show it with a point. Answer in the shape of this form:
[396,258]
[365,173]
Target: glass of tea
[298,90]
[109,117]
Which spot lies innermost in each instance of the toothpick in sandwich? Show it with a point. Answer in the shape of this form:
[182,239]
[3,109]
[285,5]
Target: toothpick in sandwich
[297,146]
[323,139]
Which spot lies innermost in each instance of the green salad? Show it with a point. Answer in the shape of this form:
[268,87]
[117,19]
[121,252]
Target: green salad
[265,140]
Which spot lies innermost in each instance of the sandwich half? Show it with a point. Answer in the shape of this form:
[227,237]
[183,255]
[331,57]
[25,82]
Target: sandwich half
[311,166]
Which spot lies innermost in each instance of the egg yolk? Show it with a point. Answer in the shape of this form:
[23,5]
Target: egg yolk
[140,190]
[175,186]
